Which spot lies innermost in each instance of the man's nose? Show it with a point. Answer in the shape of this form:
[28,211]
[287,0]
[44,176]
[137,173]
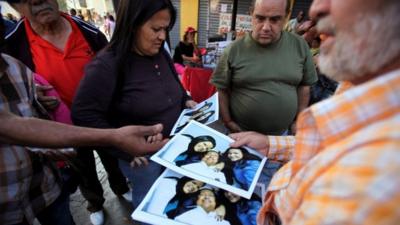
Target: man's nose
[266,25]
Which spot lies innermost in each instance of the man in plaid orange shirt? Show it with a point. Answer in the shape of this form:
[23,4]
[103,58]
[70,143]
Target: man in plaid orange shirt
[343,165]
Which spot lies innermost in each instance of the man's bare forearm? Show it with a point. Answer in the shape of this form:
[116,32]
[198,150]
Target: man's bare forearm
[43,133]
[303,93]
[223,97]
[225,113]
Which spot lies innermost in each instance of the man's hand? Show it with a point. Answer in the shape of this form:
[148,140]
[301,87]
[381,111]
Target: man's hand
[139,140]
[219,167]
[156,138]
[190,104]
[233,127]
[49,102]
[139,161]
[195,58]
[220,213]
[251,139]
[292,128]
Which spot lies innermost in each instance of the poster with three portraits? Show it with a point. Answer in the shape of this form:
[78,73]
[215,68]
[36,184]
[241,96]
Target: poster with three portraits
[205,112]
[206,181]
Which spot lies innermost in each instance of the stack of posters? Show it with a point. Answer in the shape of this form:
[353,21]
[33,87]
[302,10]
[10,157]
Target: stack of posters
[205,112]
[206,181]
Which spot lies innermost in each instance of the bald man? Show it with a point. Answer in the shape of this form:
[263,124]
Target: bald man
[264,79]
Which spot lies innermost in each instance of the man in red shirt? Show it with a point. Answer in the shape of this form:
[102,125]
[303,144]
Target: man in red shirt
[58,46]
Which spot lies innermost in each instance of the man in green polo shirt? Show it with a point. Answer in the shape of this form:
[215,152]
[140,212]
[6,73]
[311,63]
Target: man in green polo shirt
[264,79]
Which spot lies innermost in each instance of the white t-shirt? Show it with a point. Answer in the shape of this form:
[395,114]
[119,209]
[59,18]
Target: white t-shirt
[198,216]
[202,168]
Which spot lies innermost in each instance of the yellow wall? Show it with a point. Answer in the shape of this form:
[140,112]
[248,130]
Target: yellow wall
[189,10]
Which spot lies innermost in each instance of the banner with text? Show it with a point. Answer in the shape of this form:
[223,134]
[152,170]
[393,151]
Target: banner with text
[243,23]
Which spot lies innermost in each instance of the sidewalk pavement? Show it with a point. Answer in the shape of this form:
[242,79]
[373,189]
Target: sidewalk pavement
[117,211]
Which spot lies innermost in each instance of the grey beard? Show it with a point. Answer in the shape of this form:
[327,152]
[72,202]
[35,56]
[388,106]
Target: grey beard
[374,44]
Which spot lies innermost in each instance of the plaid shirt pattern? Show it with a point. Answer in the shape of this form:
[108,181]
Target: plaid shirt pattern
[344,165]
[28,182]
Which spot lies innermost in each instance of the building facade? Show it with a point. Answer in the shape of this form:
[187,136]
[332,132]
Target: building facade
[209,14]
[99,6]
[206,16]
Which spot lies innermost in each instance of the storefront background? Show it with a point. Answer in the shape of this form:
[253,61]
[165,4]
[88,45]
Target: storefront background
[209,12]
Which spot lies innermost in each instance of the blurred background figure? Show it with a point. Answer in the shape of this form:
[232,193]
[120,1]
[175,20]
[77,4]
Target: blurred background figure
[186,51]
[324,87]
[80,16]
[294,23]
[72,12]
[109,25]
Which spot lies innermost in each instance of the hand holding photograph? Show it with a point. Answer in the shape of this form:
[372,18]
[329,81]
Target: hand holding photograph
[204,154]
[175,200]
[205,112]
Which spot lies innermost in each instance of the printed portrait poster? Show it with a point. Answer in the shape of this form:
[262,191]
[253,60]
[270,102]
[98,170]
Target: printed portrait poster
[205,112]
[204,154]
[176,200]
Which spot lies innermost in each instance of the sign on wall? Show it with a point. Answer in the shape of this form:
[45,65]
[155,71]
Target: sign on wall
[243,23]
[214,6]
[83,3]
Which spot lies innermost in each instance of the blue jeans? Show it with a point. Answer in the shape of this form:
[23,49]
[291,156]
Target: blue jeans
[270,168]
[266,175]
[141,178]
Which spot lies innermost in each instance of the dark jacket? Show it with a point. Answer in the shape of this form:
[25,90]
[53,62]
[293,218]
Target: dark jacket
[137,95]
[17,44]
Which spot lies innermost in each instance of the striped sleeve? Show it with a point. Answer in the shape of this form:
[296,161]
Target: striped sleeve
[359,191]
[281,148]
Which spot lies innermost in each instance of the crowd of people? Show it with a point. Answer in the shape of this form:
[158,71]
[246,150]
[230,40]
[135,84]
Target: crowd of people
[337,160]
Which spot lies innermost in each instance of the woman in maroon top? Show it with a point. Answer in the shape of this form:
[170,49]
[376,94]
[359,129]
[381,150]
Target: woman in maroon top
[133,81]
